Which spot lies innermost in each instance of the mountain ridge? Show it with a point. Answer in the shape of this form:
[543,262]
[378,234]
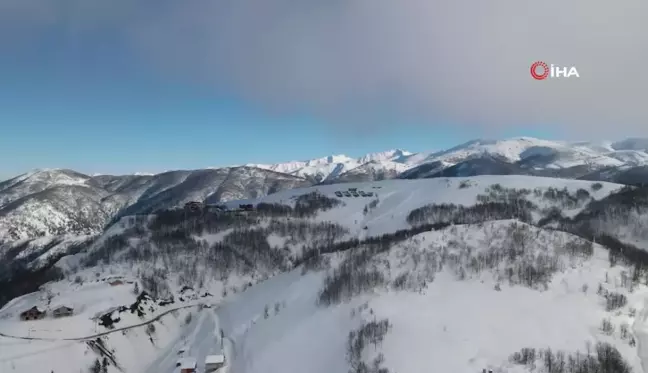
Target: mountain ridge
[43,202]
[632,151]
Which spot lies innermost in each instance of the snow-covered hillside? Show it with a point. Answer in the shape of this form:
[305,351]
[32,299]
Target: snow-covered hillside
[38,181]
[393,200]
[110,317]
[448,307]
[132,349]
[454,274]
[460,299]
[55,202]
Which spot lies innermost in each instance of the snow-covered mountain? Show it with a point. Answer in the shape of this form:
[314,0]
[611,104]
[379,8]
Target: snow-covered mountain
[522,155]
[456,261]
[56,202]
[331,167]
[513,273]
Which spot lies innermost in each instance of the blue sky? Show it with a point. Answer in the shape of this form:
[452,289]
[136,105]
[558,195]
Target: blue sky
[125,89]
[83,122]
[109,115]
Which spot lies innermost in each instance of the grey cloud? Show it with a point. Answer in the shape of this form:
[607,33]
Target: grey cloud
[361,61]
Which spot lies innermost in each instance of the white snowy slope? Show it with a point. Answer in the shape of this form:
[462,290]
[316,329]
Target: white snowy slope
[198,340]
[395,199]
[441,319]
[453,323]
[60,344]
[90,298]
[450,324]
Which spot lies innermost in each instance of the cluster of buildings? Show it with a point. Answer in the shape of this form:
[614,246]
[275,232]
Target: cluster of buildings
[353,192]
[64,310]
[37,313]
[212,363]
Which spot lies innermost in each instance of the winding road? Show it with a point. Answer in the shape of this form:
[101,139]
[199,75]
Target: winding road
[200,338]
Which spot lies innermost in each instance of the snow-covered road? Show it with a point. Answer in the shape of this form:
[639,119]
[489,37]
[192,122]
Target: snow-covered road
[200,338]
[93,336]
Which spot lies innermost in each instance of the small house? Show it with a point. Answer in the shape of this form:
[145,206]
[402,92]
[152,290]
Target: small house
[63,311]
[214,362]
[34,313]
[188,365]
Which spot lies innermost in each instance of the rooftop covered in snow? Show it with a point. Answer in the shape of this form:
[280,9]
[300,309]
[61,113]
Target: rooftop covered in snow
[215,359]
[188,363]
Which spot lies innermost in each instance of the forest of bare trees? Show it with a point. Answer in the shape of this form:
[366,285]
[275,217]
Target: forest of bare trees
[370,333]
[510,252]
[604,358]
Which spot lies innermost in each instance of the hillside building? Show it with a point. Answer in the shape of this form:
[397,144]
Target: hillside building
[188,365]
[34,313]
[63,311]
[214,362]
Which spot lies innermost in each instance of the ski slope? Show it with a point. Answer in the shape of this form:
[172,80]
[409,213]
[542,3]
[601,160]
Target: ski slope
[397,198]
[299,338]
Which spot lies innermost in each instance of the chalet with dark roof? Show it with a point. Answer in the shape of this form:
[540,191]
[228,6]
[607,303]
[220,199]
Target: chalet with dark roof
[34,313]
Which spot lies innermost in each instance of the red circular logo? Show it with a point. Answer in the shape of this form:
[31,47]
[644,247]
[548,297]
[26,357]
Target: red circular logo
[534,70]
